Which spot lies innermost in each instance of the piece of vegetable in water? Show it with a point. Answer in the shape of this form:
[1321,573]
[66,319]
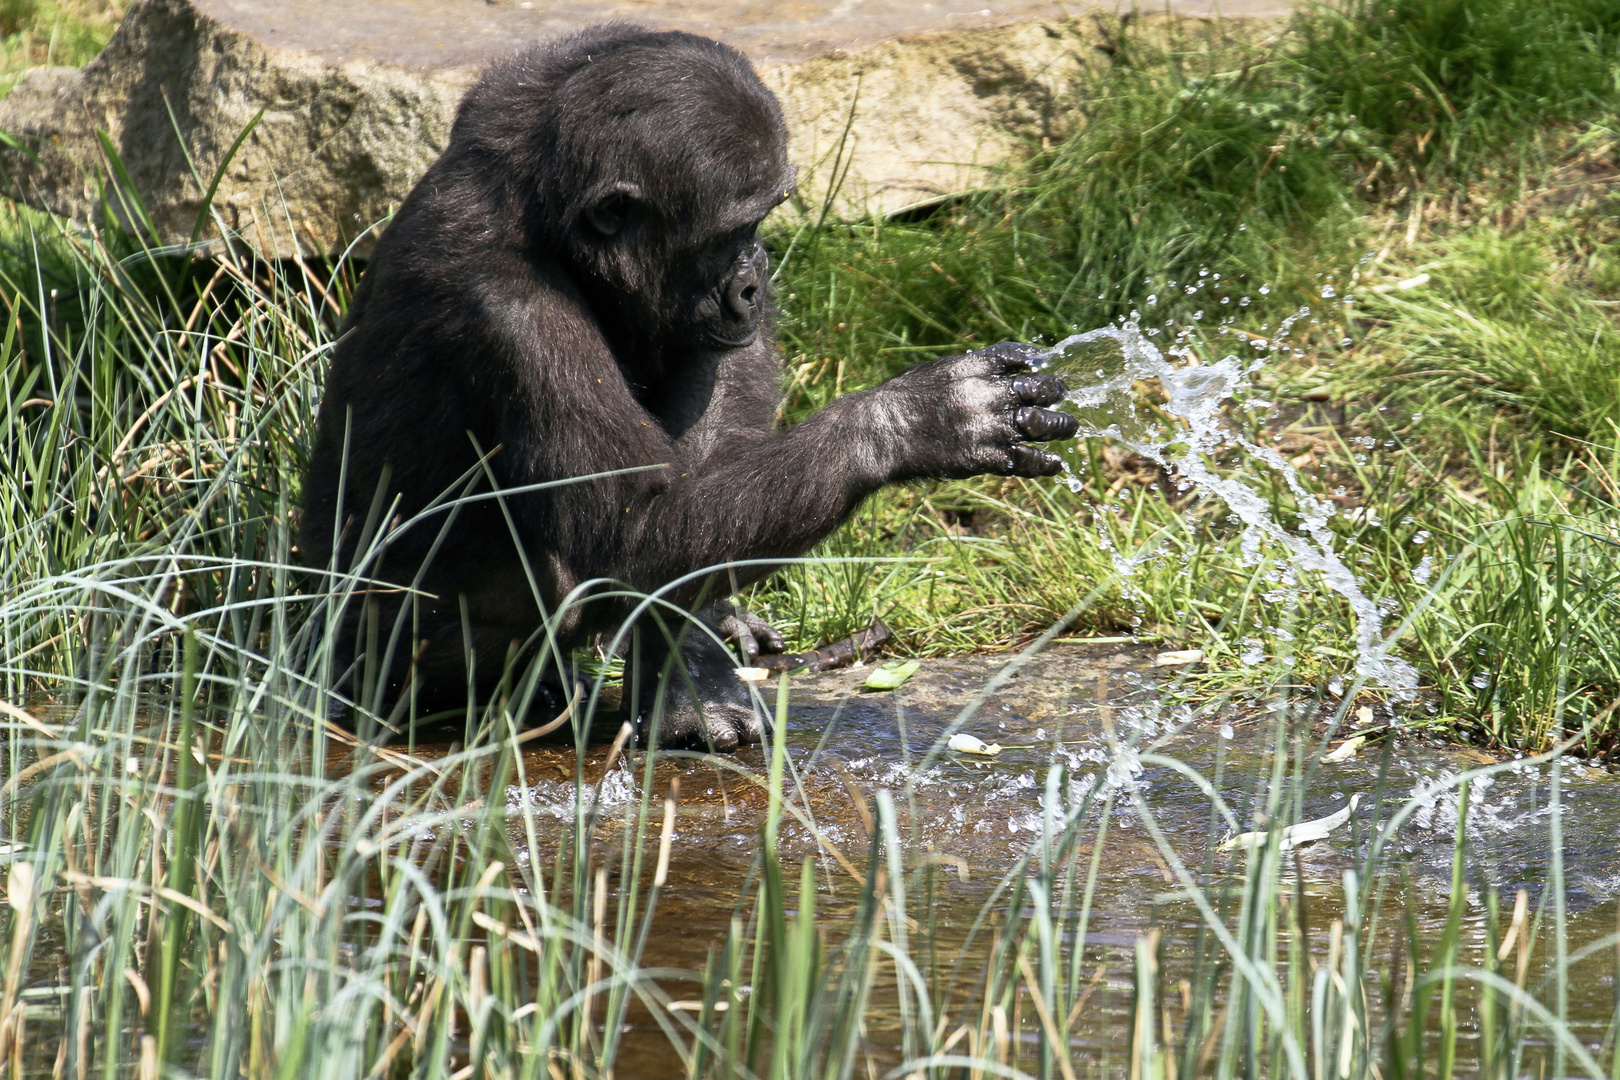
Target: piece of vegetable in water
[1305,832]
[1345,750]
[753,674]
[964,743]
[1179,658]
[892,674]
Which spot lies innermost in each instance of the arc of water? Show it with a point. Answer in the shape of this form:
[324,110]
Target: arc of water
[1195,394]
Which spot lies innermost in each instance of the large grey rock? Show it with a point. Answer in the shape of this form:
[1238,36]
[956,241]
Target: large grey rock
[889,103]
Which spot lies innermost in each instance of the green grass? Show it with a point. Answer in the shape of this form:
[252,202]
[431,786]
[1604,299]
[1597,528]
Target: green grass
[52,32]
[1445,90]
[259,895]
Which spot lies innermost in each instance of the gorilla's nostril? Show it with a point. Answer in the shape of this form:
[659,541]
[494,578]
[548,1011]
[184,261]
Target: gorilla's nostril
[742,298]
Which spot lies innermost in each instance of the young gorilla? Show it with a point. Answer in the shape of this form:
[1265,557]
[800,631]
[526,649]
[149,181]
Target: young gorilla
[577,286]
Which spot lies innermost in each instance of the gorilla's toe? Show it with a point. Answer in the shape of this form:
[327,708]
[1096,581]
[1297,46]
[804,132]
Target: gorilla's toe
[719,725]
[700,704]
[729,726]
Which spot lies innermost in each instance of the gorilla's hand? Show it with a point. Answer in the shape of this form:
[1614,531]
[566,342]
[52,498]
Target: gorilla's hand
[752,633]
[976,412]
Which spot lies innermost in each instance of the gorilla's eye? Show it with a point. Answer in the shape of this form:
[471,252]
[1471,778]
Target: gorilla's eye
[608,216]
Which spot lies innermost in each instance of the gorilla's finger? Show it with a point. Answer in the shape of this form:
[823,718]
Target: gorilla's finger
[1044,424]
[769,640]
[1028,461]
[1038,389]
[764,634]
[1013,357]
[734,626]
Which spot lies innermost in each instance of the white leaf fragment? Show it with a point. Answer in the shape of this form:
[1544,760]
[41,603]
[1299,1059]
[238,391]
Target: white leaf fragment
[1345,750]
[969,744]
[1414,282]
[1305,832]
[20,887]
[1179,658]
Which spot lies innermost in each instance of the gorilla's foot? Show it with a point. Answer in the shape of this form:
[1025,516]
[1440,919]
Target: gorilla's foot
[688,724]
[696,702]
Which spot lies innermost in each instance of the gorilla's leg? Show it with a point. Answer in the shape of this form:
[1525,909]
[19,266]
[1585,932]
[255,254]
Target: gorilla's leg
[682,683]
[450,668]
[502,668]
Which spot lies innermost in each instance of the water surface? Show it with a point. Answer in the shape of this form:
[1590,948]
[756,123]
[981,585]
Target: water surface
[974,819]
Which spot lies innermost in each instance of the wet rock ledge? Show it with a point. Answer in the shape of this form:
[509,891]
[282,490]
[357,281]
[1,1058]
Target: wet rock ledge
[890,102]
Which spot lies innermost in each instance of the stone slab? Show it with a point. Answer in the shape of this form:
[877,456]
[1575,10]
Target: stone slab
[888,103]
[439,34]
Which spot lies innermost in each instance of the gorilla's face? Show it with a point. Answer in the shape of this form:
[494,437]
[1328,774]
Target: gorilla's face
[728,311]
[700,277]
[725,306]
[662,166]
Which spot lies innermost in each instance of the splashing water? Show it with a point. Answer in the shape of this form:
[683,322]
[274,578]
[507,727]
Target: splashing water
[1101,366]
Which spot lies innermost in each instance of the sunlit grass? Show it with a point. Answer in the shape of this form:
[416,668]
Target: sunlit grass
[52,32]
[1446,364]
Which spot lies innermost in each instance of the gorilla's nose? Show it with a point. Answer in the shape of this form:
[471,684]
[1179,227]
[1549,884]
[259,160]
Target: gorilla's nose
[745,286]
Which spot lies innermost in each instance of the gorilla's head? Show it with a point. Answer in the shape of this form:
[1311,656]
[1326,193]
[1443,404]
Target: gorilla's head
[646,161]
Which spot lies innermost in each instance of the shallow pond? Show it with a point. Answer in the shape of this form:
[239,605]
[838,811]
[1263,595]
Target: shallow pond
[974,818]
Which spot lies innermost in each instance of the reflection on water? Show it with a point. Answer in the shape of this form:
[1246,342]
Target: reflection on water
[972,819]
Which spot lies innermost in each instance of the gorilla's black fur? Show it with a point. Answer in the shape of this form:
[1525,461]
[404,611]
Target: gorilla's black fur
[577,287]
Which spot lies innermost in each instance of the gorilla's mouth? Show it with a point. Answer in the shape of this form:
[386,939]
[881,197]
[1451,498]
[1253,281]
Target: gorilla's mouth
[734,343]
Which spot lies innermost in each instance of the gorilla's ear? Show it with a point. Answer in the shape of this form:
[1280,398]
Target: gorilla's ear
[608,214]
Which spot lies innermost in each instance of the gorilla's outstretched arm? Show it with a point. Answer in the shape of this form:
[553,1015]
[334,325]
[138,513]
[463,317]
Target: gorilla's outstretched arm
[732,490]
